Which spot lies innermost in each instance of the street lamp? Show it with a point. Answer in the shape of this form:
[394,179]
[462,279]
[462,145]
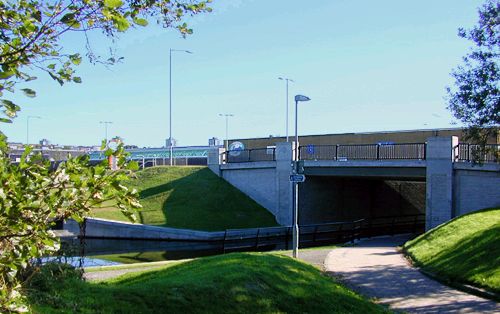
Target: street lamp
[170,97]
[286,80]
[227,115]
[28,128]
[106,123]
[295,240]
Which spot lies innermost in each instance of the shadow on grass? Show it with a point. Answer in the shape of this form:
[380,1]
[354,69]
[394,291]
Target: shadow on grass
[437,230]
[202,201]
[474,258]
[243,283]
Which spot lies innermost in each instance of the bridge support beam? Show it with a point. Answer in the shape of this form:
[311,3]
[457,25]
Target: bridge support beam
[439,191]
[214,159]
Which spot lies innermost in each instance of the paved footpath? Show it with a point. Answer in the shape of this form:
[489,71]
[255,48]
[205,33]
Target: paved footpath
[375,269]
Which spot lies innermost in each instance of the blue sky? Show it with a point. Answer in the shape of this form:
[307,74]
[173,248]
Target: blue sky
[366,65]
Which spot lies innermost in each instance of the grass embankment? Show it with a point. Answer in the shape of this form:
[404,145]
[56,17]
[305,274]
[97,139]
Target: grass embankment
[233,283]
[191,198]
[464,250]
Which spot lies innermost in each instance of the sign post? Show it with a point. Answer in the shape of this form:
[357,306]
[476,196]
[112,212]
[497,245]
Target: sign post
[297,178]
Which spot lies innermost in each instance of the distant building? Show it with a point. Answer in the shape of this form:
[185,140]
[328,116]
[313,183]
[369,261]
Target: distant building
[169,143]
[405,136]
[44,142]
[214,141]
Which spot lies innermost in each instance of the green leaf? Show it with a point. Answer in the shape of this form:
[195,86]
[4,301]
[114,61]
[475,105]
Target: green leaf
[56,78]
[69,19]
[5,120]
[6,74]
[76,59]
[141,22]
[77,79]
[29,92]
[113,3]
[121,23]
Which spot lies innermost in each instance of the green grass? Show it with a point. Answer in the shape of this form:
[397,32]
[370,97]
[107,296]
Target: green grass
[233,283]
[191,198]
[464,250]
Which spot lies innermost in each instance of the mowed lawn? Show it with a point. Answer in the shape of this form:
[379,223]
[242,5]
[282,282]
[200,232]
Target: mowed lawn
[191,198]
[465,250]
[232,283]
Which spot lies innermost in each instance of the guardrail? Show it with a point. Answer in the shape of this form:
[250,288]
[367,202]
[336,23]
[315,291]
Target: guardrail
[321,234]
[405,151]
[250,155]
[465,152]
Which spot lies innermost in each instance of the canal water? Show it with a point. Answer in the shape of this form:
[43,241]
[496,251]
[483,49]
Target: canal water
[103,252]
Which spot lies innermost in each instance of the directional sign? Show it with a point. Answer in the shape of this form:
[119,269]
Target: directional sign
[297,178]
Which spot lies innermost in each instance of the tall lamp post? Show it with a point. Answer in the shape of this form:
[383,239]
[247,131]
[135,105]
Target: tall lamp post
[226,115]
[295,241]
[286,119]
[106,123]
[170,143]
[28,128]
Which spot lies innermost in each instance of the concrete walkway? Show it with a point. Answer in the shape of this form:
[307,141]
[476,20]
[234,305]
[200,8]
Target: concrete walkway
[375,269]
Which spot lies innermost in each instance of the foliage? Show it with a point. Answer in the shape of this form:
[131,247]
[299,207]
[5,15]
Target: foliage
[475,100]
[32,194]
[464,249]
[191,198]
[242,283]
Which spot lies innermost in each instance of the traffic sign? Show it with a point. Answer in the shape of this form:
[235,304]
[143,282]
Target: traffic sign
[297,178]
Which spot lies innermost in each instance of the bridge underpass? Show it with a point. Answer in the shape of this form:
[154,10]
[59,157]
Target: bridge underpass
[326,198]
[351,190]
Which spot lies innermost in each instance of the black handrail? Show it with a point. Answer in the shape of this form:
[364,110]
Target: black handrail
[466,152]
[250,155]
[313,234]
[341,152]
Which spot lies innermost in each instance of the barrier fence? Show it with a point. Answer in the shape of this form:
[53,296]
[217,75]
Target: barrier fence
[465,152]
[321,234]
[405,151]
[250,155]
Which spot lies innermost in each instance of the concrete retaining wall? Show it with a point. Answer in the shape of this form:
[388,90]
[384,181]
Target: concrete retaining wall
[476,187]
[102,228]
[258,183]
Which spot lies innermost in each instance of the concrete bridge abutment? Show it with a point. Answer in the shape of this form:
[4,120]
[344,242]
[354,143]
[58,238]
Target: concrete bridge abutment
[439,173]
[452,188]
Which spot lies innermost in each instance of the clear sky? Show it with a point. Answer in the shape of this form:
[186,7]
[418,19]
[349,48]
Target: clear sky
[367,66]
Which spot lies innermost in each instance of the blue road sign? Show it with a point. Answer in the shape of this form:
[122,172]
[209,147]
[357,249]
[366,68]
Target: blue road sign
[297,178]
[310,149]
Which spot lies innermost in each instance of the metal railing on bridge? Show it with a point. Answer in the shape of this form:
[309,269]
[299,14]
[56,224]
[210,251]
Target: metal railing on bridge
[250,155]
[404,151]
[465,152]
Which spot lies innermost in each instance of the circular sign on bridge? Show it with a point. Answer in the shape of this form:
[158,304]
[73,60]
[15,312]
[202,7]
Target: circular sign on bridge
[236,148]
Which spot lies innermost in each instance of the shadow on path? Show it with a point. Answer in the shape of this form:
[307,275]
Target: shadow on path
[376,269]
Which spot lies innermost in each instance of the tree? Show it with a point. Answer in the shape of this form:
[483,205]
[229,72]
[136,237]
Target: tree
[475,99]
[32,194]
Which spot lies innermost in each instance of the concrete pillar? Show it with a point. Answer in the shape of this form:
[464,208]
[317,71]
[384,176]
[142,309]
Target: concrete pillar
[214,159]
[284,206]
[439,191]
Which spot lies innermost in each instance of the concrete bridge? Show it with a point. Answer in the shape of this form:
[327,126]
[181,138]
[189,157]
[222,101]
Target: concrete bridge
[347,182]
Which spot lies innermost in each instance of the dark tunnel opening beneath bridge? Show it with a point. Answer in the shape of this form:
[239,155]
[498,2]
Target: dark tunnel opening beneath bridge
[324,199]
